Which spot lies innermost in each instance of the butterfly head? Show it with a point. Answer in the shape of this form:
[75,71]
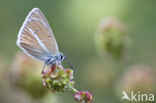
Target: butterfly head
[60,57]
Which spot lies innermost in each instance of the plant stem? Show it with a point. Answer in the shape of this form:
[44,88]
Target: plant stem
[74,90]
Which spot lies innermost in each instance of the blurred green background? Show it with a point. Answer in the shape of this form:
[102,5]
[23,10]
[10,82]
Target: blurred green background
[74,24]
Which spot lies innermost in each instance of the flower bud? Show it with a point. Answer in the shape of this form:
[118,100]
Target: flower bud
[110,38]
[69,73]
[26,75]
[138,79]
[57,78]
[83,96]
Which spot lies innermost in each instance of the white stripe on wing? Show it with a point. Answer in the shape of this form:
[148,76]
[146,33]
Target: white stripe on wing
[38,40]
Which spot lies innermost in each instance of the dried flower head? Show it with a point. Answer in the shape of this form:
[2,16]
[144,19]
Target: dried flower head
[57,78]
[83,96]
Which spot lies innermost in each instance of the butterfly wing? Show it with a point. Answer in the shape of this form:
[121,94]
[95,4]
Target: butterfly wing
[36,37]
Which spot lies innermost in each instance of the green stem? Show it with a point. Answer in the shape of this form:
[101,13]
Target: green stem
[74,90]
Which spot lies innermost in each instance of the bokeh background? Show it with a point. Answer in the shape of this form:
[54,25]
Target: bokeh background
[75,24]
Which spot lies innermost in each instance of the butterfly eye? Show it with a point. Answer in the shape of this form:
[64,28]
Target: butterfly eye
[61,57]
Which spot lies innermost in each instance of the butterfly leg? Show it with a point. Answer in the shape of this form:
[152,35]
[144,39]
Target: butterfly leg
[43,66]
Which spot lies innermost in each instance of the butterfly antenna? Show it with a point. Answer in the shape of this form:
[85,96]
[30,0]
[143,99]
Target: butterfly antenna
[72,67]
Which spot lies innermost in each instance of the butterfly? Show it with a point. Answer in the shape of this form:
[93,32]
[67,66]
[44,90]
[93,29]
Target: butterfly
[37,40]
